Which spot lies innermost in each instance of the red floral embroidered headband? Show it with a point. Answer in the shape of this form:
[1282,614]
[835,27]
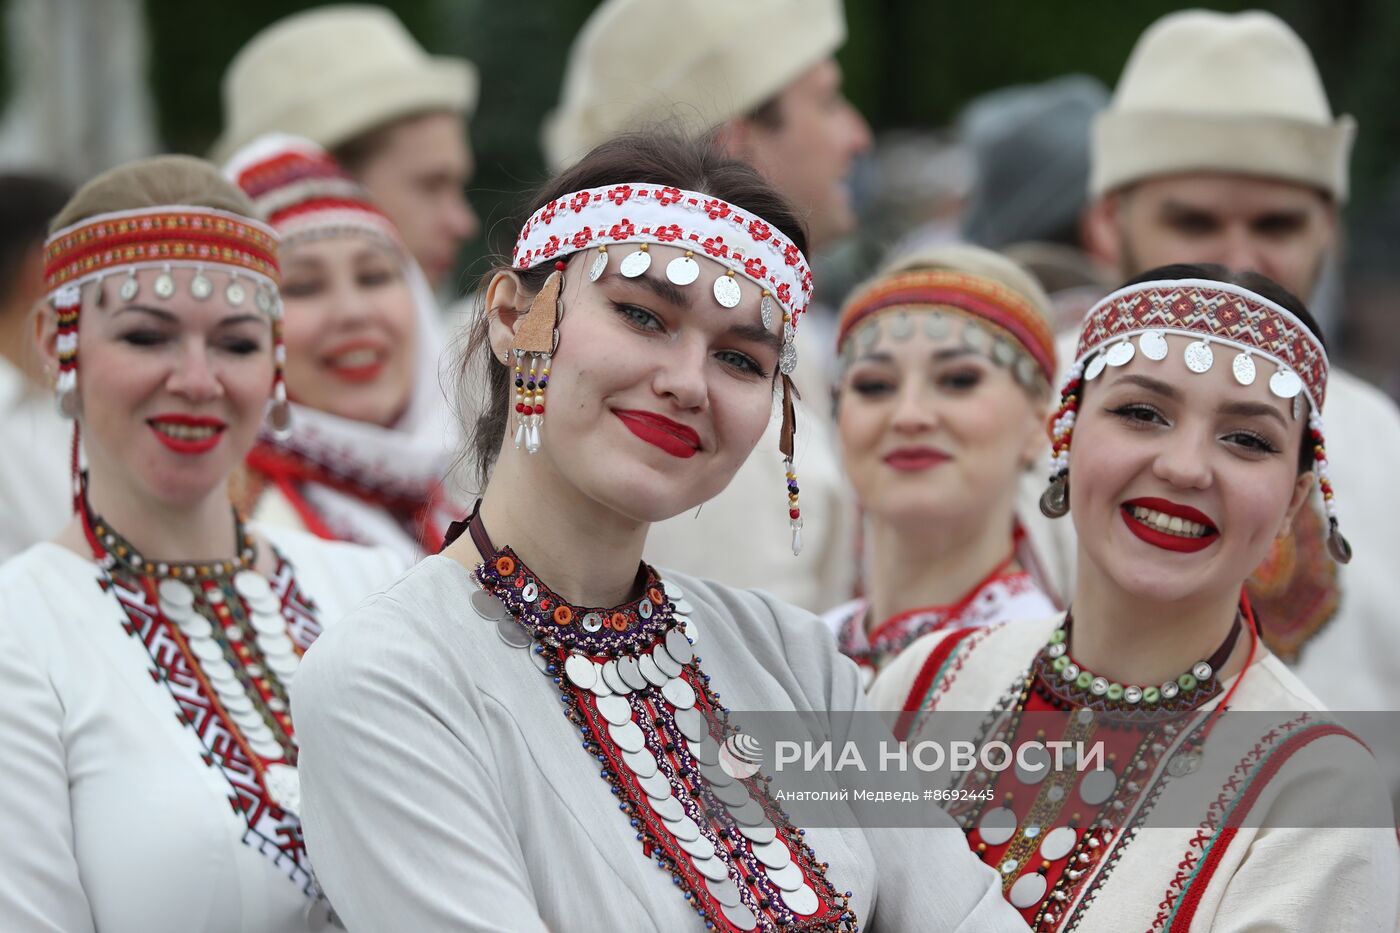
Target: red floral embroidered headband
[1227,321]
[1013,321]
[647,214]
[165,238]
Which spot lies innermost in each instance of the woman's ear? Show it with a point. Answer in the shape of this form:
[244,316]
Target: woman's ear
[506,304]
[46,339]
[1036,445]
[1302,487]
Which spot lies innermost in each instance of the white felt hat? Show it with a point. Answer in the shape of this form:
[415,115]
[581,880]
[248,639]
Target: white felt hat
[1206,91]
[332,73]
[686,64]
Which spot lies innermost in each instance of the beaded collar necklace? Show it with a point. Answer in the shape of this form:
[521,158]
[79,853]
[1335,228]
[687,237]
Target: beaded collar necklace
[227,646]
[632,684]
[1069,685]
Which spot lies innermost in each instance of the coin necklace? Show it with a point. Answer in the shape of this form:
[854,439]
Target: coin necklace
[632,684]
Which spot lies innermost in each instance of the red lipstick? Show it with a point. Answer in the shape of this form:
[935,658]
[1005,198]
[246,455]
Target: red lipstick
[187,434]
[914,459]
[1166,540]
[671,436]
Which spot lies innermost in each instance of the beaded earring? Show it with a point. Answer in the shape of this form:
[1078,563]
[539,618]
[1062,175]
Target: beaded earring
[536,338]
[1054,502]
[1337,544]
[785,446]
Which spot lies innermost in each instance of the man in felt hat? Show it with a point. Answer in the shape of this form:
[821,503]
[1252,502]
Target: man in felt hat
[352,79]
[758,77]
[1219,146]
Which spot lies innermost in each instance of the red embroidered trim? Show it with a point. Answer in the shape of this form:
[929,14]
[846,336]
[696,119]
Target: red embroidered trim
[924,681]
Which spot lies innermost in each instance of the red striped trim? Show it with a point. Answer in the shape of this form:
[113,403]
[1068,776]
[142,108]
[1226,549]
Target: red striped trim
[931,666]
[1192,898]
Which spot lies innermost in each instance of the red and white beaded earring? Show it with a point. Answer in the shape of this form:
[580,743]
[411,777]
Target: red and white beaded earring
[1054,502]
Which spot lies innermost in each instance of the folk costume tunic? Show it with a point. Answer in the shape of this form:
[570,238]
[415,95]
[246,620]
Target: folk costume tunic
[1006,593]
[135,757]
[445,787]
[1077,855]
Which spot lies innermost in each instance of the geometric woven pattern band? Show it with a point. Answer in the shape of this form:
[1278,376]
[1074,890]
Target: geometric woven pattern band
[1214,312]
[156,237]
[657,214]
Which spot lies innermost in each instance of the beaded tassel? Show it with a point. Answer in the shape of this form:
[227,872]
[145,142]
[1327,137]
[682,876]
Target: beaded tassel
[537,337]
[519,401]
[1337,544]
[1055,501]
[794,510]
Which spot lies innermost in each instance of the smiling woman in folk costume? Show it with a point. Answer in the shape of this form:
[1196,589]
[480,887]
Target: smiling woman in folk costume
[146,654]
[372,436]
[635,341]
[946,362]
[1194,405]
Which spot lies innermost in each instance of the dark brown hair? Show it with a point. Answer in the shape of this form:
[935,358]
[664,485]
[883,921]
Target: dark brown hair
[26,204]
[648,159]
[1261,285]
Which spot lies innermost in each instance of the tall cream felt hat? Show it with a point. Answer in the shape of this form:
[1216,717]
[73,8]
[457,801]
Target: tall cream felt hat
[687,65]
[332,73]
[1206,91]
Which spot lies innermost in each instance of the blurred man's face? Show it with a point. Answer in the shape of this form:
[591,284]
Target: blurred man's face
[1279,229]
[419,177]
[809,153]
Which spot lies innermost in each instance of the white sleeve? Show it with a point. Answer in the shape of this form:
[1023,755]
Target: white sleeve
[40,890]
[403,815]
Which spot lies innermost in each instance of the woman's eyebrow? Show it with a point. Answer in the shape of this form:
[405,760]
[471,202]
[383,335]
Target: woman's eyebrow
[1164,389]
[758,334]
[666,291]
[1252,409]
[154,312]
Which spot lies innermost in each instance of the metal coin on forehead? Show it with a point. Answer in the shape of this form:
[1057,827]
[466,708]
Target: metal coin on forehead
[615,710]
[488,606]
[631,676]
[684,829]
[726,891]
[678,647]
[937,325]
[628,736]
[668,807]
[650,671]
[713,868]
[692,724]
[262,299]
[235,293]
[1244,369]
[1003,352]
[655,786]
[868,336]
[582,672]
[514,633]
[129,287]
[1199,356]
[635,264]
[740,916]
[774,855]
[642,763]
[700,848]
[976,337]
[682,270]
[1094,367]
[200,287]
[663,660]
[802,901]
[1026,371]
[679,694]
[165,285]
[1153,344]
[787,878]
[1285,384]
[763,832]
[614,680]
[599,266]
[767,311]
[1121,353]
[727,291]
[901,326]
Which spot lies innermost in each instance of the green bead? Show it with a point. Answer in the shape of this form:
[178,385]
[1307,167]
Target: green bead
[1151,695]
[1115,691]
[1057,636]
[1060,663]
[1187,681]
[1084,680]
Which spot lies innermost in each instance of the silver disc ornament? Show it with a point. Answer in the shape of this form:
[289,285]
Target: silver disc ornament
[635,264]
[683,270]
[727,291]
[1094,367]
[1244,369]
[1120,354]
[1285,383]
[599,266]
[1199,356]
[1153,344]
